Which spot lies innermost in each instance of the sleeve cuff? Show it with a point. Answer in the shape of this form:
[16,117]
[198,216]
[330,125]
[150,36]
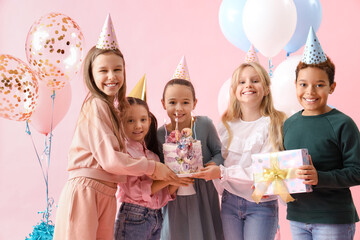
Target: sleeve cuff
[222,172]
[151,168]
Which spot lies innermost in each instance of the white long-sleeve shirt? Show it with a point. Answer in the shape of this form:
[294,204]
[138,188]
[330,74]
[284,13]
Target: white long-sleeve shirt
[248,138]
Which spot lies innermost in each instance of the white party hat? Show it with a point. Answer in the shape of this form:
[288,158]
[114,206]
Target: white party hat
[251,55]
[182,71]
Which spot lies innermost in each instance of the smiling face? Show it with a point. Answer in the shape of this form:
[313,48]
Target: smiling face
[179,99]
[312,90]
[250,89]
[137,123]
[108,73]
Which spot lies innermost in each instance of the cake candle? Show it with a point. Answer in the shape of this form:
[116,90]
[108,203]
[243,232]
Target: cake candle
[177,126]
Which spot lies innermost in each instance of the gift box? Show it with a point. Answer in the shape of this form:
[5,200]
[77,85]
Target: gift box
[274,173]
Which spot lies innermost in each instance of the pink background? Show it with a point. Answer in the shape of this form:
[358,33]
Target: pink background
[153,36]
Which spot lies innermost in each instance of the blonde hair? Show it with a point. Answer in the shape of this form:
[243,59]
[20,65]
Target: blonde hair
[94,91]
[233,111]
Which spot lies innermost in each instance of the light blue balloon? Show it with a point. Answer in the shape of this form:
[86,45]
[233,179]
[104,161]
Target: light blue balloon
[230,20]
[309,13]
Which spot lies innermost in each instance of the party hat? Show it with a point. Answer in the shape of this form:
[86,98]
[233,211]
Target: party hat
[251,55]
[313,53]
[139,91]
[107,39]
[182,71]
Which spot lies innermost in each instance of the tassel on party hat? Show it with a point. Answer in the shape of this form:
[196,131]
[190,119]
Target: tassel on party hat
[313,53]
[139,91]
[251,55]
[107,39]
[182,71]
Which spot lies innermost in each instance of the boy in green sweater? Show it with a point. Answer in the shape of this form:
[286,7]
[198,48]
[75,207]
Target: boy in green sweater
[333,141]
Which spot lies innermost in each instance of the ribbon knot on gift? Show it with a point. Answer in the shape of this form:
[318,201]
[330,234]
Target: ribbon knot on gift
[276,176]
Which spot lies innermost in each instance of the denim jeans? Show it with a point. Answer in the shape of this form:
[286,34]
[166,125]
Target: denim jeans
[245,220]
[135,222]
[317,231]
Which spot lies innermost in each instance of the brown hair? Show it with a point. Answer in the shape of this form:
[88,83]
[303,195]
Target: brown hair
[182,82]
[328,66]
[233,111]
[94,91]
[151,137]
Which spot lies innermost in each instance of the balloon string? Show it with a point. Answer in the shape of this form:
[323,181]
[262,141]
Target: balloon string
[48,153]
[271,66]
[37,154]
[45,168]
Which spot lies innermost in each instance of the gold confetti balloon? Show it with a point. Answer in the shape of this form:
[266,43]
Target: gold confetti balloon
[54,49]
[18,89]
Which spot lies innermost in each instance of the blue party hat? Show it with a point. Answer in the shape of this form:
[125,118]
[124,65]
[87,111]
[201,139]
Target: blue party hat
[313,53]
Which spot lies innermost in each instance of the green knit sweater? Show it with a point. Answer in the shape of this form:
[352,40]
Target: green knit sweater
[333,141]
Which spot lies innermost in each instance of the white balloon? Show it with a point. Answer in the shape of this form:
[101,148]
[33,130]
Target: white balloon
[269,24]
[224,96]
[283,86]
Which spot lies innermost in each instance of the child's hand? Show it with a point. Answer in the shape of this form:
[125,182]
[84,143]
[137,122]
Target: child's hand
[211,171]
[308,172]
[183,181]
[210,163]
[163,172]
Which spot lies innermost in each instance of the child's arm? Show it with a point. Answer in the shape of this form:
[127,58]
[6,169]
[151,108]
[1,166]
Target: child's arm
[104,146]
[349,145]
[213,142]
[173,185]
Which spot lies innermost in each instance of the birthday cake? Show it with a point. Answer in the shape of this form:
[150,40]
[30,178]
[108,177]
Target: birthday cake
[182,153]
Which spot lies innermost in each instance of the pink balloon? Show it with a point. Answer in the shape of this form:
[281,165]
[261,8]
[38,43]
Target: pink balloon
[18,89]
[54,48]
[41,118]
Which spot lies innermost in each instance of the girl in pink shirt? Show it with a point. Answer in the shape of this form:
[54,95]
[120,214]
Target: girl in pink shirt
[140,216]
[98,159]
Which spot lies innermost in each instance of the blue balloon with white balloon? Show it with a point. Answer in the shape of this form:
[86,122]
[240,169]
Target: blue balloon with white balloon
[231,24]
[309,13]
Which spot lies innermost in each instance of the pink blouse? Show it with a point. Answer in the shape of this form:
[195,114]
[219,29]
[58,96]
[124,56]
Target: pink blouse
[95,150]
[137,190]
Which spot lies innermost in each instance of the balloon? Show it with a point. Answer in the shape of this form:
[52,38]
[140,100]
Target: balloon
[224,96]
[283,86]
[18,89]
[230,20]
[269,24]
[309,13]
[54,48]
[41,118]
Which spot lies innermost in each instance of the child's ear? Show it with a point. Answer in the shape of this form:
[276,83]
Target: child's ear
[163,104]
[195,102]
[332,87]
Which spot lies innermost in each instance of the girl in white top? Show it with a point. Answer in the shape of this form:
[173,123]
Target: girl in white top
[250,125]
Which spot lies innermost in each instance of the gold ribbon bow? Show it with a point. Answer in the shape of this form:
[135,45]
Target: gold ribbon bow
[276,176]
